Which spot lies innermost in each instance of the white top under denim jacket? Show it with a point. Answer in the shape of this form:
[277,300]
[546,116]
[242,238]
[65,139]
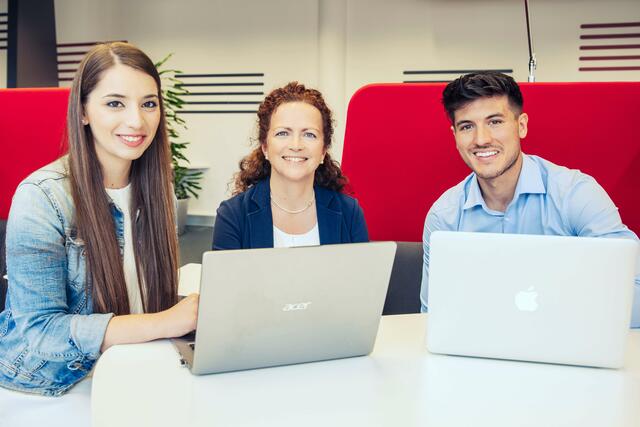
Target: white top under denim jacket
[49,336]
[121,198]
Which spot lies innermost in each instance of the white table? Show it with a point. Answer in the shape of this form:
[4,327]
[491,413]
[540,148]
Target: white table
[399,384]
[72,409]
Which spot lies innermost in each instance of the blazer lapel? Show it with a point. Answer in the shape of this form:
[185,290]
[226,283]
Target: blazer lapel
[259,217]
[329,219]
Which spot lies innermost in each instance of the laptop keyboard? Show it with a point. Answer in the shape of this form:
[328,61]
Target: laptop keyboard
[191,339]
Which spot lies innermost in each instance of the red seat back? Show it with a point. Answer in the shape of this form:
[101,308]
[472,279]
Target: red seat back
[400,156]
[32,123]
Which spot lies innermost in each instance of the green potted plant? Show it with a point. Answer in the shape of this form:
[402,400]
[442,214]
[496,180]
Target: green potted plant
[186,182]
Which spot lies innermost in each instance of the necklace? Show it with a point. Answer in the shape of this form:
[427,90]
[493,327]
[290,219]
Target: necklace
[293,212]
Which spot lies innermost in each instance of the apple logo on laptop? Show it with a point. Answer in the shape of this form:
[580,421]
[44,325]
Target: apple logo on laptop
[526,300]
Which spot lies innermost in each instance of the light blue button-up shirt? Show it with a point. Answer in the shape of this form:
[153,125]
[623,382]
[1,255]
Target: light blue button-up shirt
[549,199]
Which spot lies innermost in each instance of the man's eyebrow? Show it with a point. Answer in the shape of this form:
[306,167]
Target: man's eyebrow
[463,122]
[489,117]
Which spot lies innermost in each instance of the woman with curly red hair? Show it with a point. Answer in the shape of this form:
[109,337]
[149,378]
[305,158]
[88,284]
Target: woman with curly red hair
[288,191]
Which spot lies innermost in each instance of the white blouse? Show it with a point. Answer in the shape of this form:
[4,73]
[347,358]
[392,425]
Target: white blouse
[286,240]
[122,198]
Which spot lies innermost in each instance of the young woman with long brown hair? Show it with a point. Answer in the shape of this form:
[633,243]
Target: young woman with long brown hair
[92,252]
[289,190]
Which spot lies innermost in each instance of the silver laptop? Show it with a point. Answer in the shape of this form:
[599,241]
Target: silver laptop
[269,307]
[537,298]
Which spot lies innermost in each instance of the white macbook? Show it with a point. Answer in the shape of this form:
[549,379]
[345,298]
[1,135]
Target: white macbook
[525,297]
[268,307]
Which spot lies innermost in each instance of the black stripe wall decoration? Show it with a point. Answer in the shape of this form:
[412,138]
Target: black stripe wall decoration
[615,43]
[443,76]
[222,93]
[69,56]
[4,29]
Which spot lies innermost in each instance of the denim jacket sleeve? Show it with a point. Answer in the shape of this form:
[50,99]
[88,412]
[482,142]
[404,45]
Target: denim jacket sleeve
[37,267]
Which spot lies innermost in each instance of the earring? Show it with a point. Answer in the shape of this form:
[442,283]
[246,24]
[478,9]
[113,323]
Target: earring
[85,122]
[266,157]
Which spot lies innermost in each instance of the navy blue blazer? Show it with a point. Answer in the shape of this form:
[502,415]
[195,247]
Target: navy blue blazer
[244,221]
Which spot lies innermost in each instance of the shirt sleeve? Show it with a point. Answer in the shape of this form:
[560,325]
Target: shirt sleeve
[431,224]
[38,282]
[592,213]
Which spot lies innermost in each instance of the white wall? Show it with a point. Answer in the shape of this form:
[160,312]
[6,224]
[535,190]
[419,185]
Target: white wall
[384,38]
[557,38]
[278,38]
[335,45]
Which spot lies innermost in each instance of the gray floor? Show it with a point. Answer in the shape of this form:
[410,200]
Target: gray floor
[193,243]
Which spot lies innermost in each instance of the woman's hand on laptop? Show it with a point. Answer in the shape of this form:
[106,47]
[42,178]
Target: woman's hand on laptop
[136,328]
[181,318]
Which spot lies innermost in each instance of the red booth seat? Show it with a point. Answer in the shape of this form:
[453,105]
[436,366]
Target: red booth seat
[400,156]
[32,123]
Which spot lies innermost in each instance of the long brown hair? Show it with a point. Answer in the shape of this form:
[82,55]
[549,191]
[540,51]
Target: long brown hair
[152,203]
[256,167]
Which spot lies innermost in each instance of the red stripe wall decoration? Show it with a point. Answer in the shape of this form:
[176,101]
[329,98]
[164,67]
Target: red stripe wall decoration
[617,43]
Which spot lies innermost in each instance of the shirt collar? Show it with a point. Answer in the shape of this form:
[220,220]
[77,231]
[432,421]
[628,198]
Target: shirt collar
[529,182]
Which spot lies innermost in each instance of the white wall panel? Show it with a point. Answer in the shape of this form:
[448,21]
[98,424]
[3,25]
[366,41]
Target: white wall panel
[277,38]
[384,38]
[557,32]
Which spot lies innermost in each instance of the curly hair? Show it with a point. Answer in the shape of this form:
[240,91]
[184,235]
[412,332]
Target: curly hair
[255,167]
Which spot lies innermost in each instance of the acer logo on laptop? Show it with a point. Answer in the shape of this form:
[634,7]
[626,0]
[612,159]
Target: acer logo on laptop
[297,306]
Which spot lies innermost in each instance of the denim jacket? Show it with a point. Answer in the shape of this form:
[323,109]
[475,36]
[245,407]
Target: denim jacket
[49,336]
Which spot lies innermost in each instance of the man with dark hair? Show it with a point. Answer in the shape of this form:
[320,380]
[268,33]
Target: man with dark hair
[509,191]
